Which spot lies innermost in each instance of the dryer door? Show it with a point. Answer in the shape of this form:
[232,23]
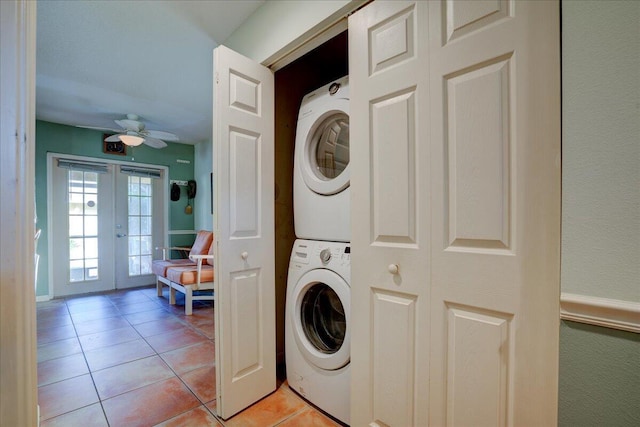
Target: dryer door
[325,157]
[322,301]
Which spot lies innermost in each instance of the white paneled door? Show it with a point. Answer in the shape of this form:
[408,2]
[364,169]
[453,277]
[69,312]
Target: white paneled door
[455,127]
[106,220]
[243,153]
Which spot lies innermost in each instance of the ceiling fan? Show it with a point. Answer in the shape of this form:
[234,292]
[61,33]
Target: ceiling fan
[134,133]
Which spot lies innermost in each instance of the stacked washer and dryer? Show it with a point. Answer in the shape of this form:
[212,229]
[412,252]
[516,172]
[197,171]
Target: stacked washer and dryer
[317,318]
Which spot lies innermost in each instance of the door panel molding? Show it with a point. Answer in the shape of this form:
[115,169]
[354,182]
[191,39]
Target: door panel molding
[478,120]
[394,343]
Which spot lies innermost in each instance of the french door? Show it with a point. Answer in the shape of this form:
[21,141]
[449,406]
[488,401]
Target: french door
[105,221]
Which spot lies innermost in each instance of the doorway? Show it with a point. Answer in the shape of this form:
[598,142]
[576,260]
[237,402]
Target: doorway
[109,218]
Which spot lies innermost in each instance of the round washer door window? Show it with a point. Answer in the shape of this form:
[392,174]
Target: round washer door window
[326,155]
[321,318]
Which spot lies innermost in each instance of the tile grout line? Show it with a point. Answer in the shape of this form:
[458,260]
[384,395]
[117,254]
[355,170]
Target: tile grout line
[191,327]
[73,322]
[170,313]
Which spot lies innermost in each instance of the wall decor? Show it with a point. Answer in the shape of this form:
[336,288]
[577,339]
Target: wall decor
[117,147]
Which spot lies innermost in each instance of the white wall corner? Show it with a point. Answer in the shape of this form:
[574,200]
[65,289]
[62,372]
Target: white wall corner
[610,313]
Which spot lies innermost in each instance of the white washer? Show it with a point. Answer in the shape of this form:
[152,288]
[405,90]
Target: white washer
[321,172]
[317,328]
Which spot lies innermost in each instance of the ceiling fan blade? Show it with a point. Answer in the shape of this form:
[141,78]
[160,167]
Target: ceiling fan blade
[99,128]
[154,142]
[113,138]
[132,125]
[158,134]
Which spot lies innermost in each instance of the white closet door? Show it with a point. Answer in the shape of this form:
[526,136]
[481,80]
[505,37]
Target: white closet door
[455,130]
[390,214]
[244,231]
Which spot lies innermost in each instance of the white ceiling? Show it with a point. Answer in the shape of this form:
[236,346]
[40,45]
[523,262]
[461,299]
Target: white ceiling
[99,60]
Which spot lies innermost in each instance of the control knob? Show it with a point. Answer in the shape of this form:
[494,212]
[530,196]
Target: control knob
[325,255]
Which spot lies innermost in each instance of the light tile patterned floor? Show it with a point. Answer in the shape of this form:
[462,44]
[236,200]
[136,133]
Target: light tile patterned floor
[128,358]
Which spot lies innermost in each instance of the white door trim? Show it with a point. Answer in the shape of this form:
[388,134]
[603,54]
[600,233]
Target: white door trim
[50,158]
[314,37]
[18,382]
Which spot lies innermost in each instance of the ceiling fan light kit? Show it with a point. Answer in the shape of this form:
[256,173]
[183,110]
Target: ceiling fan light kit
[131,140]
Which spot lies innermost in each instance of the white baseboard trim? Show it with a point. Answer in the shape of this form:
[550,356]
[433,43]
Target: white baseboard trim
[610,313]
[43,298]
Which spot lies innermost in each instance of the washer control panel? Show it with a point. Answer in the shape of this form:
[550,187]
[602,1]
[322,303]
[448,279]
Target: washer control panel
[333,254]
[322,254]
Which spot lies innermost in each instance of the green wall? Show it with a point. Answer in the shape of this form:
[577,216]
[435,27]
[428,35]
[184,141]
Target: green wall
[599,376]
[599,382]
[55,138]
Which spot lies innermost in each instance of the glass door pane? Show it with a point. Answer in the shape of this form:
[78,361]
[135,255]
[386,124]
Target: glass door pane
[83,229]
[140,220]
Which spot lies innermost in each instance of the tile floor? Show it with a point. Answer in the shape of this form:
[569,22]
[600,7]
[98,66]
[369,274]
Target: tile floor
[128,358]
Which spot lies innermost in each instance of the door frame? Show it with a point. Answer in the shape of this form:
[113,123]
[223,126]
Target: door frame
[50,159]
[18,383]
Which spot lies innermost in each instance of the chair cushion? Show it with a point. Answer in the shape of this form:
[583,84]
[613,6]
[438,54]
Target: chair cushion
[210,261]
[159,266]
[202,243]
[188,275]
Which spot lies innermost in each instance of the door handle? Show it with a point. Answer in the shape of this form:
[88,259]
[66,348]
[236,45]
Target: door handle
[393,268]
[244,255]
[121,235]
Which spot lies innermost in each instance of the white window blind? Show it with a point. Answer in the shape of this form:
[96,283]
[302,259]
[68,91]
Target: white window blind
[134,171]
[78,165]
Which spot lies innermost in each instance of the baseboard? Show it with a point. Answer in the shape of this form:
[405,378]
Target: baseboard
[609,313]
[43,298]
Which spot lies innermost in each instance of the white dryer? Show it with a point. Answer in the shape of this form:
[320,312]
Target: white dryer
[317,328]
[321,175]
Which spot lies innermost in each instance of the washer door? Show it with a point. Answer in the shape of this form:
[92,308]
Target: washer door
[321,314]
[325,162]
